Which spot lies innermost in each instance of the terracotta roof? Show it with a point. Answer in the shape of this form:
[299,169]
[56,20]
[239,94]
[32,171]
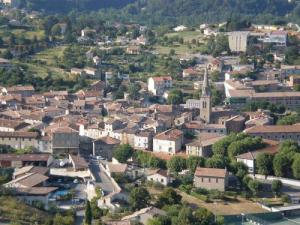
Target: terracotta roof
[79,162]
[109,140]
[31,169]
[20,88]
[117,168]
[31,180]
[161,79]
[171,135]
[19,134]
[274,129]
[210,172]
[11,123]
[24,157]
[35,190]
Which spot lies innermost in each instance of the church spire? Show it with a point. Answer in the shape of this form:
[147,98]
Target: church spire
[205,85]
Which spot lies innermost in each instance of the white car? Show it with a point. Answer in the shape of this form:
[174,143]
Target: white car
[99,157]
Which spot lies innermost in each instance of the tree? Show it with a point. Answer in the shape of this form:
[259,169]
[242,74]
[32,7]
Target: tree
[139,198]
[193,161]
[63,220]
[281,165]
[56,30]
[215,76]
[264,163]
[254,186]
[123,152]
[6,54]
[296,166]
[168,197]
[88,214]
[289,119]
[276,187]
[133,91]
[176,164]
[175,97]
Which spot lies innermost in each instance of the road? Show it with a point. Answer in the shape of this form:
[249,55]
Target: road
[102,179]
[79,217]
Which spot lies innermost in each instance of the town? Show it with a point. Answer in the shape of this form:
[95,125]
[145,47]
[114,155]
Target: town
[118,123]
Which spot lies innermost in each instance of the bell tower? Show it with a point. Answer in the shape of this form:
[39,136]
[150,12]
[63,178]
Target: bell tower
[205,100]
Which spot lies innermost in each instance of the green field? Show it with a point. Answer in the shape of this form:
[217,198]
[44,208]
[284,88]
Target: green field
[27,34]
[187,35]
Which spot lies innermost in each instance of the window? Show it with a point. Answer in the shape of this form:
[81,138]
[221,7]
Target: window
[208,180]
[202,179]
[216,180]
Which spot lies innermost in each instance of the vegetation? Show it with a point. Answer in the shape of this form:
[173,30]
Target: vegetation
[123,152]
[139,198]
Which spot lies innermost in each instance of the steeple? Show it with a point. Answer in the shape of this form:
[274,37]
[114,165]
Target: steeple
[205,100]
[205,85]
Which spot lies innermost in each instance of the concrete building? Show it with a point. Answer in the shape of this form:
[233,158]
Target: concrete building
[20,140]
[238,41]
[143,140]
[18,161]
[211,178]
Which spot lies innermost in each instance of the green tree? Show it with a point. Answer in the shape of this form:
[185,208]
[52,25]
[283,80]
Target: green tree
[176,164]
[168,197]
[63,220]
[254,187]
[175,97]
[139,198]
[276,187]
[123,152]
[133,91]
[264,163]
[56,30]
[296,166]
[193,161]
[88,214]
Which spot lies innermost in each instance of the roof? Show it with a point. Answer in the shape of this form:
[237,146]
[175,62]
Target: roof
[161,172]
[210,172]
[162,78]
[19,134]
[108,140]
[274,129]
[117,167]
[150,210]
[31,169]
[79,162]
[28,180]
[171,135]
[25,157]
[20,88]
[206,139]
[35,190]
[11,123]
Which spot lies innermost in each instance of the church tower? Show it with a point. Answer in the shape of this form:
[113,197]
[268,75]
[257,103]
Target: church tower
[205,100]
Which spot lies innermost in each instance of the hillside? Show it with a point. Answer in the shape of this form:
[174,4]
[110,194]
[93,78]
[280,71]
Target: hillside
[68,5]
[195,11]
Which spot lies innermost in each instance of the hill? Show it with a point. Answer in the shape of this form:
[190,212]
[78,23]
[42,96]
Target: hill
[195,11]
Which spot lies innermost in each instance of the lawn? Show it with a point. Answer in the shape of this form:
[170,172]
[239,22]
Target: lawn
[27,34]
[187,35]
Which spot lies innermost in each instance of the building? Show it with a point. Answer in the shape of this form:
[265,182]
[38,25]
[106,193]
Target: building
[211,178]
[202,146]
[11,125]
[159,176]
[18,161]
[20,140]
[169,141]
[276,132]
[278,37]
[158,85]
[205,100]
[105,147]
[23,90]
[249,158]
[143,140]
[238,41]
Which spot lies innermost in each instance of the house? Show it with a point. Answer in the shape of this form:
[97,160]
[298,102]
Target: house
[169,141]
[116,168]
[133,50]
[158,85]
[78,163]
[190,73]
[19,172]
[202,146]
[18,161]
[76,71]
[211,178]
[250,157]
[159,176]
[5,63]
[143,140]
[91,71]
[143,215]
[11,125]
[105,147]
[23,90]
[87,32]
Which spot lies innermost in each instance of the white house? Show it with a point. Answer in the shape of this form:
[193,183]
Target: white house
[143,140]
[169,141]
[180,28]
[159,176]
[158,85]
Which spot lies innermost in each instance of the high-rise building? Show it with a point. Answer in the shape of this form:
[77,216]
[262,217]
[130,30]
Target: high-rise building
[238,41]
